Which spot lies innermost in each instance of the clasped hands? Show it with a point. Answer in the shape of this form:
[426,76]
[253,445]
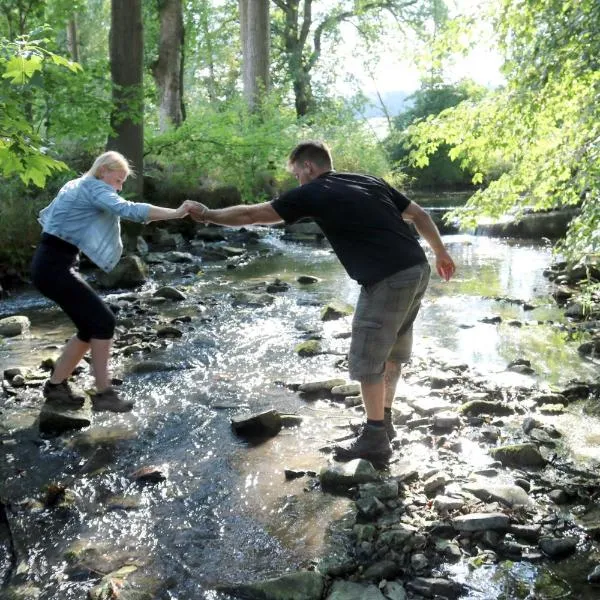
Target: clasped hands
[196,210]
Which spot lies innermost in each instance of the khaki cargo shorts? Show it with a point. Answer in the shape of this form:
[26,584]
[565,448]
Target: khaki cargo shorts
[382,328]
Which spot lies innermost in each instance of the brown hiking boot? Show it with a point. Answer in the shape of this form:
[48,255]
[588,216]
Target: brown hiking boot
[110,400]
[372,444]
[389,425]
[62,394]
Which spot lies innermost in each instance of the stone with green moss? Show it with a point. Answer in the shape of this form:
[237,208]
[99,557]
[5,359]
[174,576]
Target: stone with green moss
[336,310]
[519,455]
[308,348]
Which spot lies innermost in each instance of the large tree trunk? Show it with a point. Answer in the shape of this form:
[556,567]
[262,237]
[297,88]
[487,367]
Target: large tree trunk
[168,69]
[126,67]
[73,38]
[255,35]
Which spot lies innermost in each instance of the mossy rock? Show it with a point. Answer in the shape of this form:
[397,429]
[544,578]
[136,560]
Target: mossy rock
[519,455]
[309,348]
[336,310]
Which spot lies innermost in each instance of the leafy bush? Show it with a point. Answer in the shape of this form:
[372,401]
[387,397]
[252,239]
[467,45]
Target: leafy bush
[227,145]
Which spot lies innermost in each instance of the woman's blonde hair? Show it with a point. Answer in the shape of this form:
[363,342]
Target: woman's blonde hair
[111,161]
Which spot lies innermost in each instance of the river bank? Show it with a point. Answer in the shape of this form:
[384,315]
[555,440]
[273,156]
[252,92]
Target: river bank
[211,508]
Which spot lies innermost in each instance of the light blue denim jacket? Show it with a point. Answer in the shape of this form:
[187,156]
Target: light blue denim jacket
[86,213]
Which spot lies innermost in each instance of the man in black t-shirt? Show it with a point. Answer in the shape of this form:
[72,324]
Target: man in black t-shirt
[365,220]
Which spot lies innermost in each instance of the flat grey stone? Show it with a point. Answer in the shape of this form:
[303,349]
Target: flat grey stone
[490,491]
[481,522]
[56,419]
[347,590]
[342,476]
[303,585]
[14,326]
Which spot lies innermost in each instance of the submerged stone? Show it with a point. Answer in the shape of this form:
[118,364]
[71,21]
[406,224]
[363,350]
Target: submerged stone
[303,585]
[519,455]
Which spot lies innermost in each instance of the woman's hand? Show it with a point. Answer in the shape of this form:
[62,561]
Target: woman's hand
[197,211]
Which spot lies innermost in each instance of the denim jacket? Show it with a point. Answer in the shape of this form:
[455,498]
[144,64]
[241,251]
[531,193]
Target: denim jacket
[86,213]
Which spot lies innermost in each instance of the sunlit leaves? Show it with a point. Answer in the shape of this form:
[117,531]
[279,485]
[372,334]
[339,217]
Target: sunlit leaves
[535,143]
[22,63]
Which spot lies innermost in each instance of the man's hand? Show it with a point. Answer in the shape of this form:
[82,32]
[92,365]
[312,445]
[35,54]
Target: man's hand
[196,210]
[444,265]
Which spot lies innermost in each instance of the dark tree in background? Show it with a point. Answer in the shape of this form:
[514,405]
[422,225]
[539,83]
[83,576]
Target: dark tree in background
[126,67]
[168,69]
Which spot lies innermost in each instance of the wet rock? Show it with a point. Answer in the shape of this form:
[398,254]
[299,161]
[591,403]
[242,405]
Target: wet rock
[552,409]
[519,455]
[559,497]
[387,490]
[445,504]
[481,522]
[594,576]
[307,279]
[102,437]
[491,320]
[485,407]
[210,234]
[149,474]
[232,251]
[336,310]
[169,331]
[591,348]
[488,491]
[342,476]
[250,299]
[445,421]
[21,592]
[314,387]
[542,437]
[529,533]
[541,399]
[346,389]
[277,287]
[174,256]
[435,587]
[558,547]
[267,423]
[590,520]
[449,550]
[289,421]
[370,507]
[428,405]
[435,482]
[56,419]
[393,590]
[11,373]
[14,326]
[129,273]
[309,348]
[441,379]
[170,293]
[347,590]
[152,366]
[303,585]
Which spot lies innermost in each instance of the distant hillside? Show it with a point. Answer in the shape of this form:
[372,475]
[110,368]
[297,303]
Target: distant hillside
[394,101]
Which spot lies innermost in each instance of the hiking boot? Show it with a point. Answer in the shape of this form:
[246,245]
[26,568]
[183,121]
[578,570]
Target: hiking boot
[110,400]
[372,444]
[62,394]
[389,425]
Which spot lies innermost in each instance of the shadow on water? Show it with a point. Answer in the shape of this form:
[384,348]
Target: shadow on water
[225,511]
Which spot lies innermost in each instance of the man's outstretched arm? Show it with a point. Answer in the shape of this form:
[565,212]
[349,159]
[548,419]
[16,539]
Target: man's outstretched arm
[426,227]
[234,216]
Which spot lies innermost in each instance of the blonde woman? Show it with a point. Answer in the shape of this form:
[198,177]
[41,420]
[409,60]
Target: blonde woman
[85,217]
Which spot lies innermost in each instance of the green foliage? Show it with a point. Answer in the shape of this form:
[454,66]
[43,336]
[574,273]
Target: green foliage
[229,145]
[543,128]
[22,78]
[438,170]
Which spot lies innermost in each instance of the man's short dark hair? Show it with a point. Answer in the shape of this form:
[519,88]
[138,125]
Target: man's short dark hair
[314,151]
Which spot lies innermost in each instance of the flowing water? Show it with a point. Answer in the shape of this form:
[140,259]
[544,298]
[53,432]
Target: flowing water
[225,512]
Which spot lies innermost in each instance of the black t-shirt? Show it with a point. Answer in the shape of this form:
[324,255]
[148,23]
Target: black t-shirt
[361,216]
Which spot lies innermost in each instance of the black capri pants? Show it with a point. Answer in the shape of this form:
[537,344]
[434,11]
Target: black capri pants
[54,274]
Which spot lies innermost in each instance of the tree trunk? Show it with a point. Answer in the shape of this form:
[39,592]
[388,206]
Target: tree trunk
[255,36]
[168,69]
[126,67]
[73,38]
